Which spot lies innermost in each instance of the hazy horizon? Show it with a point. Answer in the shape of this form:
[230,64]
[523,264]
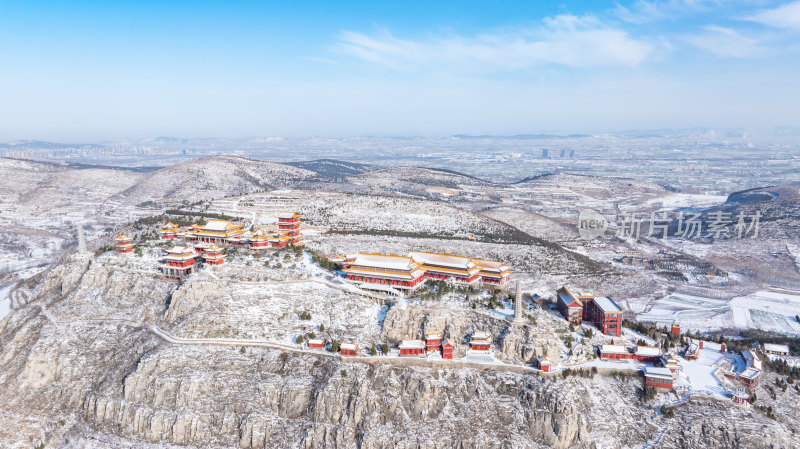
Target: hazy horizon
[81,72]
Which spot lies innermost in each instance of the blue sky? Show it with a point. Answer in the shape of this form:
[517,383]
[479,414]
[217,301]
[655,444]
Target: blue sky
[89,71]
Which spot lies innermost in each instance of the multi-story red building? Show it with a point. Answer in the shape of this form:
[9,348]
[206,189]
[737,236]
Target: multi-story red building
[437,266]
[750,377]
[605,314]
[289,226]
[670,362]
[123,243]
[179,262]
[598,310]
[480,342]
[433,342]
[169,231]
[212,255]
[215,231]
[259,239]
[447,349]
[493,272]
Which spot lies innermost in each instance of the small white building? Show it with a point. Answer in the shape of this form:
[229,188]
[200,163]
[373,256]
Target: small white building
[774,349]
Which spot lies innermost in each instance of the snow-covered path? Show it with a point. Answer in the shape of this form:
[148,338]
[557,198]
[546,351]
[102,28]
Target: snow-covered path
[657,440]
[5,301]
[469,362]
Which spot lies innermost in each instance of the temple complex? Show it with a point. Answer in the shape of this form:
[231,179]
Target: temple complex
[224,232]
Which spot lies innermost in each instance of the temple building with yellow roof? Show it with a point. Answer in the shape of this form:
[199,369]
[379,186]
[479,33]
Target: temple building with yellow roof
[169,231]
[492,271]
[289,226]
[447,267]
[123,244]
[212,255]
[259,239]
[215,231]
[395,273]
[179,262]
[224,232]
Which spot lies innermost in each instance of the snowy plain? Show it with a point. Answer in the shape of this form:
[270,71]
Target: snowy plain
[769,310]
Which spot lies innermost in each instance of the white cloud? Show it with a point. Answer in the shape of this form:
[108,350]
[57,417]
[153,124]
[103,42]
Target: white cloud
[726,42]
[643,11]
[564,40]
[786,16]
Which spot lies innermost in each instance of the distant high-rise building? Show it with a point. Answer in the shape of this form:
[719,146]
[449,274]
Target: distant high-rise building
[545,153]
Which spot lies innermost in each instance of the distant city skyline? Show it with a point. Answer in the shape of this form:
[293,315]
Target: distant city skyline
[88,72]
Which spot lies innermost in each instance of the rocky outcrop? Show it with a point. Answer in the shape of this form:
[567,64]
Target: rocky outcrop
[256,399]
[80,360]
[513,342]
[188,296]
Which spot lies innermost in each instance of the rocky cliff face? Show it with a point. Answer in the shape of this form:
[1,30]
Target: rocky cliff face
[80,365]
[513,342]
[263,398]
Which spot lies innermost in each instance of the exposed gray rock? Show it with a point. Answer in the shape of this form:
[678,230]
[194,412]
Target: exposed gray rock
[80,360]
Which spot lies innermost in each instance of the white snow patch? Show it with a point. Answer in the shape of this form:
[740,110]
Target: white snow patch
[5,302]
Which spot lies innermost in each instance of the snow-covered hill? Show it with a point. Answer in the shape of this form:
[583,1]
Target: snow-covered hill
[333,168]
[611,185]
[415,181]
[215,177]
